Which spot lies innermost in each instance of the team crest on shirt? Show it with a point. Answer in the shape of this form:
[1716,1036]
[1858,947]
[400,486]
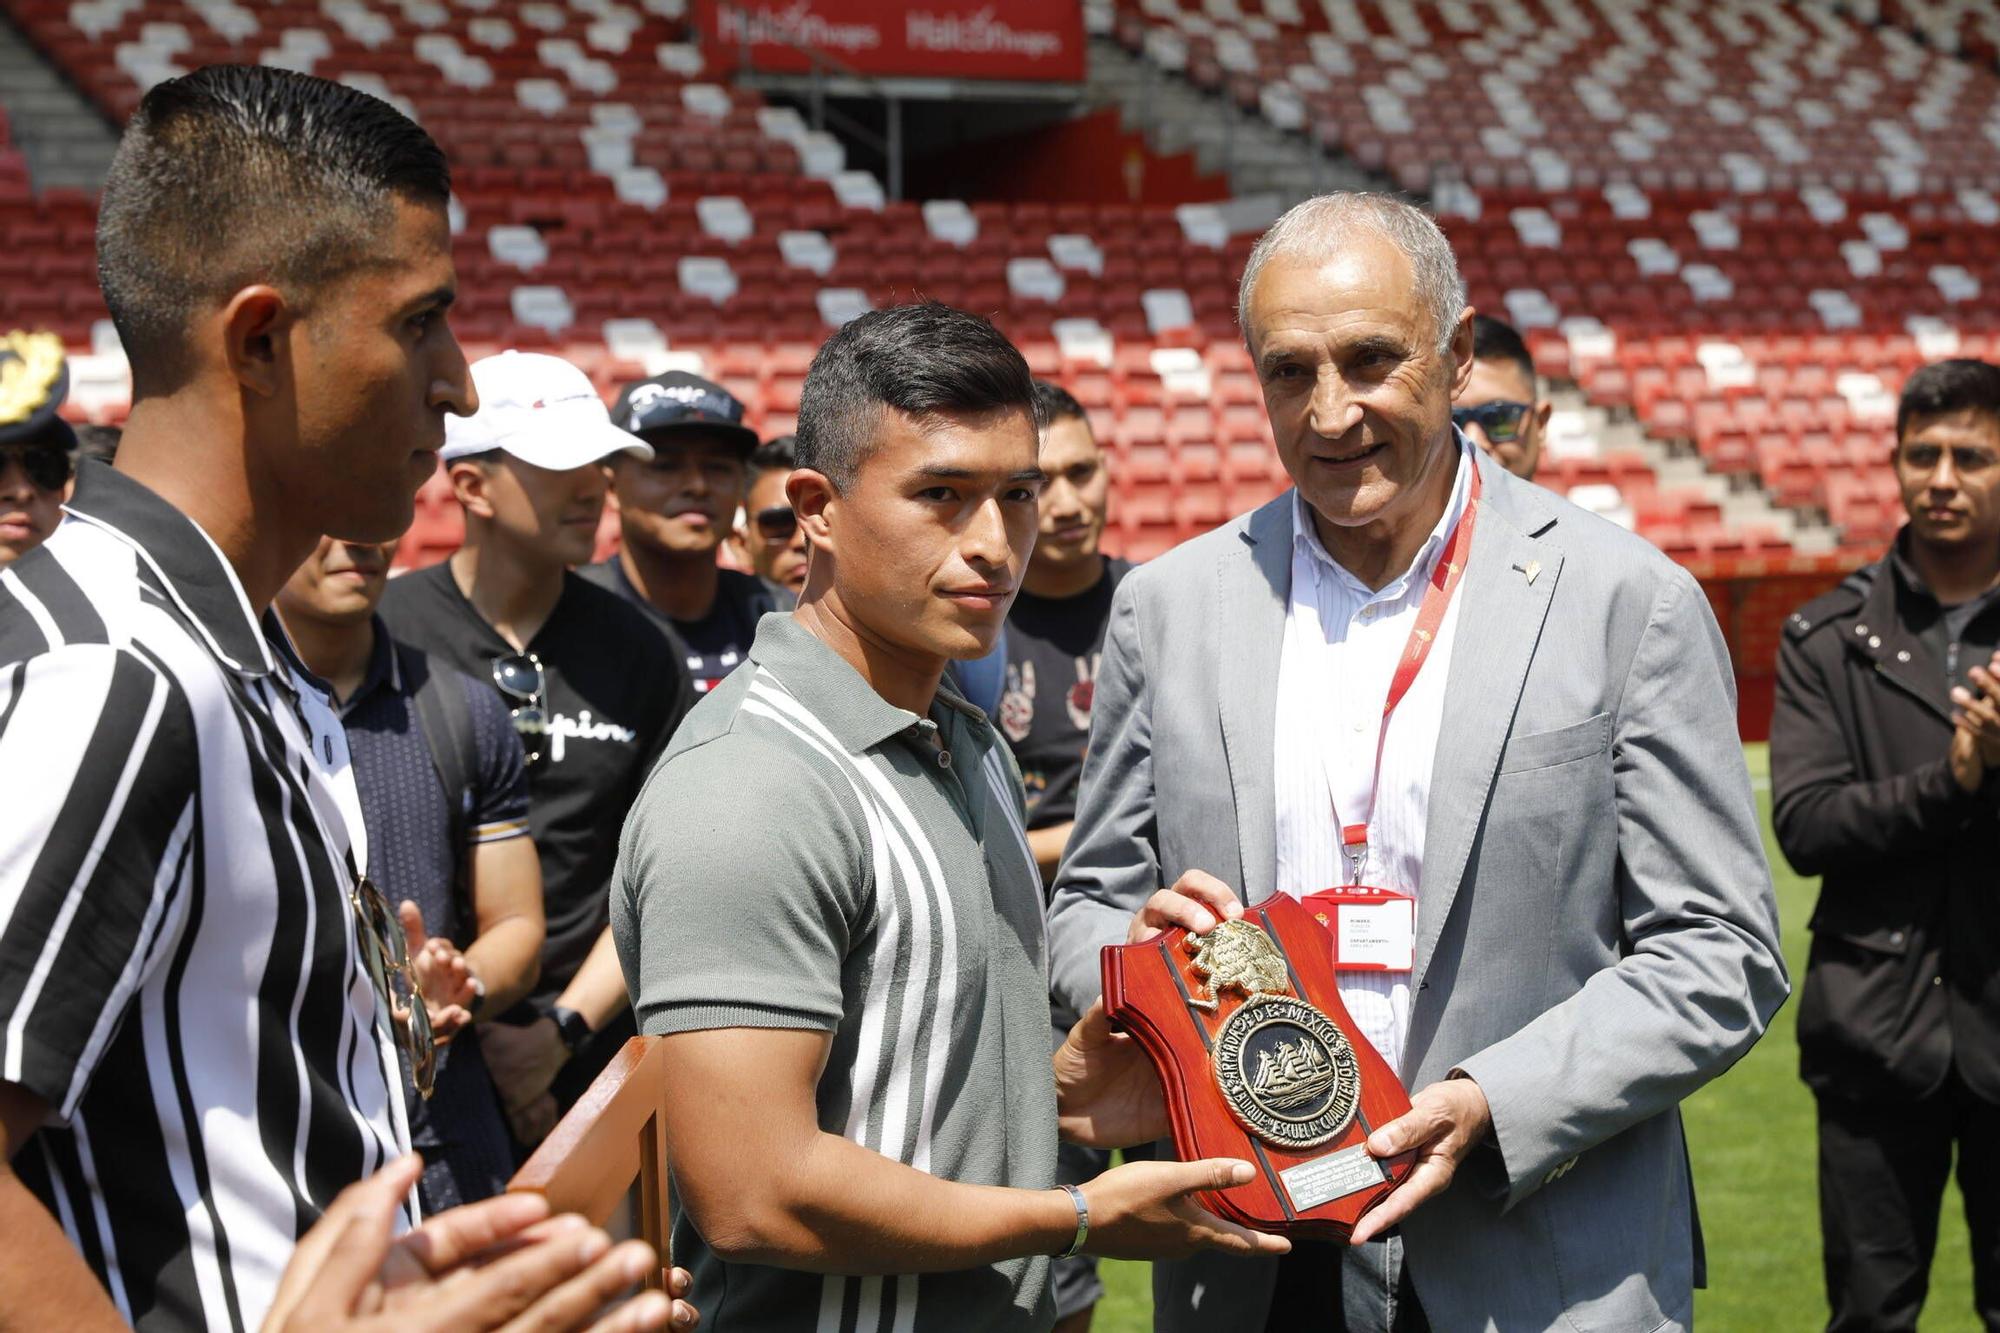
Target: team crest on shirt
[1080,695]
[1017,702]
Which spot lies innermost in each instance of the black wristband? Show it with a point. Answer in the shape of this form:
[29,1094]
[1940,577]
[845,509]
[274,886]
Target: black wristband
[571,1027]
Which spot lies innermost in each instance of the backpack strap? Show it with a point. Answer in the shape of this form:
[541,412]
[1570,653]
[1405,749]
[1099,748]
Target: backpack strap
[445,717]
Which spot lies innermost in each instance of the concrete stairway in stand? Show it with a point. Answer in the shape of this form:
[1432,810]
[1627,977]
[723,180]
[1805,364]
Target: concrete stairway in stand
[1679,468]
[1177,117]
[66,140]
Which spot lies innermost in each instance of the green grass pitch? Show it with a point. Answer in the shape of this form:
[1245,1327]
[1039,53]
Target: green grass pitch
[1751,1133]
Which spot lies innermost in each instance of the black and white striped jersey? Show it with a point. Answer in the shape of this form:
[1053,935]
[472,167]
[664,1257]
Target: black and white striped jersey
[179,976]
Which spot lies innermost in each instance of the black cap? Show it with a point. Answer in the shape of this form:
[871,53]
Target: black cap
[34,381]
[679,401]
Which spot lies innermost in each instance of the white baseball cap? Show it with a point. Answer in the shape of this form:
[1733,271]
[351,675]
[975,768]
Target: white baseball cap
[542,410]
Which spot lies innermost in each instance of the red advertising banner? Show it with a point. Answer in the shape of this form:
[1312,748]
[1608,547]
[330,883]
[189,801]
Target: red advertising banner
[1026,40]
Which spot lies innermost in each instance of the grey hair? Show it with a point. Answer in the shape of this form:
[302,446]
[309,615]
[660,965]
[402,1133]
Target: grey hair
[1324,224]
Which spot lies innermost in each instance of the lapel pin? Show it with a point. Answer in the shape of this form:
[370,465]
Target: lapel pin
[1533,569]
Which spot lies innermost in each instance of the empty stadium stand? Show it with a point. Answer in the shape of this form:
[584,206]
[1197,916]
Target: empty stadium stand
[1733,229]
[1743,223]
[1575,94]
[614,205]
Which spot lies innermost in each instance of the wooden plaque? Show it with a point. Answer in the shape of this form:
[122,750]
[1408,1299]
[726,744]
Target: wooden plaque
[1260,1061]
[610,1142]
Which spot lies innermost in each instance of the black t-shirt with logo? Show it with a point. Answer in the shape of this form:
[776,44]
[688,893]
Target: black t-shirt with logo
[717,643]
[615,692]
[1053,647]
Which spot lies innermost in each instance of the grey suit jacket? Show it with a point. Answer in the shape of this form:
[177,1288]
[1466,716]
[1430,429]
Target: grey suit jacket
[1597,935]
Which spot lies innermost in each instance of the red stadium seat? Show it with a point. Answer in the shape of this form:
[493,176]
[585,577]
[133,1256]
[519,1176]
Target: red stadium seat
[1756,342]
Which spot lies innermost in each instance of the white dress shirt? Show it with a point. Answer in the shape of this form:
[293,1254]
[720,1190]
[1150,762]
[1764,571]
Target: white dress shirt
[1342,643]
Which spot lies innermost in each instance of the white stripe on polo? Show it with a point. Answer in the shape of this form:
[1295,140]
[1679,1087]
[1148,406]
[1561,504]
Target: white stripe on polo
[893,869]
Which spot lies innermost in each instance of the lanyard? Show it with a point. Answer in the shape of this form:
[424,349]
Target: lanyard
[1444,580]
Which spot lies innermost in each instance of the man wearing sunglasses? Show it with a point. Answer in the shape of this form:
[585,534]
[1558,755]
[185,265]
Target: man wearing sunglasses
[1885,778]
[675,507]
[770,539]
[1501,409]
[201,1118]
[594,689]
[37,447]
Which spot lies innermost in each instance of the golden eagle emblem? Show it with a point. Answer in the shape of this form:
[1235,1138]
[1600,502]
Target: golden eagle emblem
[1237,955]
[31,365]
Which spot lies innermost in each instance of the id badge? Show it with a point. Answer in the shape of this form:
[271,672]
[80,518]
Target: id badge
[1374,930]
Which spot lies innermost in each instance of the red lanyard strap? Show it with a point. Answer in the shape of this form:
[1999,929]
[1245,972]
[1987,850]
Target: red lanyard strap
[1445,578]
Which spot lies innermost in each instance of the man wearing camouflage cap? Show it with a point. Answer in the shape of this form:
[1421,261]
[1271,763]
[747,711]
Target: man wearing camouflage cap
[37,447]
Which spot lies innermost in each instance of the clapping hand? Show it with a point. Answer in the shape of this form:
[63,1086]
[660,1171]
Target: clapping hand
[1978,718]
[441,972]
[503,1263]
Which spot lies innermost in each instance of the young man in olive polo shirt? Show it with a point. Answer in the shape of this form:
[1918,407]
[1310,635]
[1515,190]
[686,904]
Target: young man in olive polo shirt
[826,905]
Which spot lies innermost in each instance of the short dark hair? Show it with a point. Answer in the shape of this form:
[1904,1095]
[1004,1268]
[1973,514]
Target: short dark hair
[237,174]
[1961,384]
[1056,403]
[780,452]
[919,359]
[1497,340]
[99,442]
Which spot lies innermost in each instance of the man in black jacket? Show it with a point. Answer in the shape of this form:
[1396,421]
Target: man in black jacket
[1885,768]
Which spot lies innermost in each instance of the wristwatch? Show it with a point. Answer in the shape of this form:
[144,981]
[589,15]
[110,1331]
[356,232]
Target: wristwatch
[571,1027]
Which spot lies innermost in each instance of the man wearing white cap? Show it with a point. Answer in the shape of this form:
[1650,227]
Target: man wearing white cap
[594,689]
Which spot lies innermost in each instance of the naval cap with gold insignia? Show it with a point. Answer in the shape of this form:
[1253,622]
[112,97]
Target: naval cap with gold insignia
[34,380]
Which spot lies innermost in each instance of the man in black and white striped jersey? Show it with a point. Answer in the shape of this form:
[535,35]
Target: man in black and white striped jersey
[192,1067]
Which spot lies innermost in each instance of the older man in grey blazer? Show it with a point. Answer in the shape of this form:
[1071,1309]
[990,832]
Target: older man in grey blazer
[1561,788]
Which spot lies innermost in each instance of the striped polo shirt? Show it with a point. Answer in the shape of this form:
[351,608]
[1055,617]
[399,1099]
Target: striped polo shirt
[808,855]
[179,979]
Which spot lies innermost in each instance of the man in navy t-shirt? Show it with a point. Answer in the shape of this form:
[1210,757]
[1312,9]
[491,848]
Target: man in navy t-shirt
[459,863]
